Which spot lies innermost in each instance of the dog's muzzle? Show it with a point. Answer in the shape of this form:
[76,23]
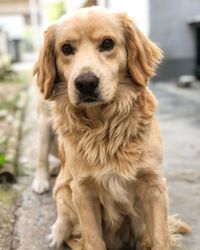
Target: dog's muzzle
[87,85]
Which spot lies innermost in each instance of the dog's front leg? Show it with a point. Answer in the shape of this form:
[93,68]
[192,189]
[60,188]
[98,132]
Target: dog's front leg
[155,205]
[41,181]
[62,228]
[89,211]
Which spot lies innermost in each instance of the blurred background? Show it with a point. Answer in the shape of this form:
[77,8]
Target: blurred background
[175,27]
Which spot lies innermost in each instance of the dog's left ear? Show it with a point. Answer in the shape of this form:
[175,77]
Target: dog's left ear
[45,67]
[143,54]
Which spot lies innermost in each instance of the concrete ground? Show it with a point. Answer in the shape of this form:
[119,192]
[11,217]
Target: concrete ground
[179,118]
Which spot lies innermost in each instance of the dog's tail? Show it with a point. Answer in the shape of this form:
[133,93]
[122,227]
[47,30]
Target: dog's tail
[177,228]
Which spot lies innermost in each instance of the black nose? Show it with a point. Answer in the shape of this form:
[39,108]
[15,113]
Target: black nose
[86,83]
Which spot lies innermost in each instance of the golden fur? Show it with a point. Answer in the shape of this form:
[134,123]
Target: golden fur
[47,146]
[110,191]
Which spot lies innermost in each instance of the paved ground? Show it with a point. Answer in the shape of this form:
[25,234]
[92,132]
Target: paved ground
[179,117]
[35,213]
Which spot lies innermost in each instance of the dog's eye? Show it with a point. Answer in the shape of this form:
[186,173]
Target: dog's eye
[67,49]
[106,45]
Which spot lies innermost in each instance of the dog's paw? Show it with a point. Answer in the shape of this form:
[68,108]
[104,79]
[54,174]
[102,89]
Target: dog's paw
[60,232]
[40,185]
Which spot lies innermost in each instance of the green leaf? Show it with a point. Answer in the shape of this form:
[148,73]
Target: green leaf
[2,159]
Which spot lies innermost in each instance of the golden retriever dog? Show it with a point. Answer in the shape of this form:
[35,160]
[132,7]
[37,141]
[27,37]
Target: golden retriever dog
[110,192]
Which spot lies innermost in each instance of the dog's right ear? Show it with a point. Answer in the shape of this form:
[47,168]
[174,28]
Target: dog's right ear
[45,67]
[143,55]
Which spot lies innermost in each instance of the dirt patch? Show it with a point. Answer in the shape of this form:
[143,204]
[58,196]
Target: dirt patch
[7,217]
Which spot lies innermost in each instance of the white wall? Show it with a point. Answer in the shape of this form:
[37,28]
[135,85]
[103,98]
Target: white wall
[74,4]
[137,9]
[14,25]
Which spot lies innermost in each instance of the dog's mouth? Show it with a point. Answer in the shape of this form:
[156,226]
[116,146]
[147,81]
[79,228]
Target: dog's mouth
[88,99]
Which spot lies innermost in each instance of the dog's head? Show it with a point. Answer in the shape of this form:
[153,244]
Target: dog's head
[92,52]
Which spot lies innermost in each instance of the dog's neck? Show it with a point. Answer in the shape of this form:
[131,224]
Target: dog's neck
[111,133]
[93,112]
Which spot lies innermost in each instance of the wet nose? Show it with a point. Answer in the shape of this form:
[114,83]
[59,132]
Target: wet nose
[86,83]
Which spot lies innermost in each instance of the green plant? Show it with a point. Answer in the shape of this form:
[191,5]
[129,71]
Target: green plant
[2,159]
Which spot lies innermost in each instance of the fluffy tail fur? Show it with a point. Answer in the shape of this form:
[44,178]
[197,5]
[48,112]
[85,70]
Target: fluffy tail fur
[177,227]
